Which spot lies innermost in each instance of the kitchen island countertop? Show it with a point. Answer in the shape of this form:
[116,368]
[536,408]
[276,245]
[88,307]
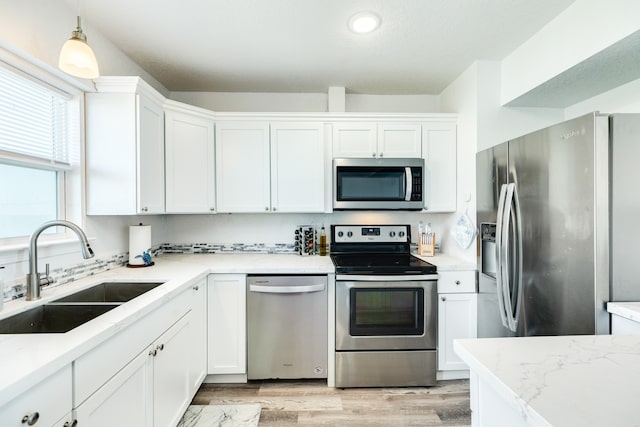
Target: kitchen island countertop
[555,381]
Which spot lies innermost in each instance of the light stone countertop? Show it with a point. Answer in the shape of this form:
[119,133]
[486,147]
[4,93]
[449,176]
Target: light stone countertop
[448,262]
[30,358]
[590,380]
[628,310]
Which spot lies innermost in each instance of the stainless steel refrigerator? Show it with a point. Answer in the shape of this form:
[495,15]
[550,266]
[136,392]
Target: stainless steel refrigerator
[559,217]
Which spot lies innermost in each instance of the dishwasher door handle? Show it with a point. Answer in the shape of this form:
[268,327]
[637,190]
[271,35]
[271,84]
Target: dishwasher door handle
[287,289]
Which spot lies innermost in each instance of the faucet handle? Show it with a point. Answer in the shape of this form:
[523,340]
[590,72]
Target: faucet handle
[46,279]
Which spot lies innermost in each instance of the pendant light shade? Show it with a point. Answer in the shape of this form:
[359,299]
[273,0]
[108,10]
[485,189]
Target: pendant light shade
[77,58]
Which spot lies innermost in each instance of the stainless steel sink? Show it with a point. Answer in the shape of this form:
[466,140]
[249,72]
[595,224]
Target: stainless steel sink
[116,292]
[52,318]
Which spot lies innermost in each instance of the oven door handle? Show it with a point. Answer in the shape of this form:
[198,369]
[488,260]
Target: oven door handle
[383,278]
[287,289]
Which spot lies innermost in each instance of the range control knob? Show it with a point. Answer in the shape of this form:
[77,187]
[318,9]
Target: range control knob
[392,234]
[401,234]
[349,233]
[340,234]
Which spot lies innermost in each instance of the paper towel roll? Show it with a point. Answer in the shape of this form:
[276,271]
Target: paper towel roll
[139,243]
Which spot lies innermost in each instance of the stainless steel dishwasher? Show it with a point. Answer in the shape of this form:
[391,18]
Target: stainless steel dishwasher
[286,327]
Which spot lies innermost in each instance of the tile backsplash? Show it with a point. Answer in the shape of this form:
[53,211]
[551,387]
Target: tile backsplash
[17,288]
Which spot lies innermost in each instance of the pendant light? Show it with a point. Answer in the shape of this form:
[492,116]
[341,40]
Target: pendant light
[77,58]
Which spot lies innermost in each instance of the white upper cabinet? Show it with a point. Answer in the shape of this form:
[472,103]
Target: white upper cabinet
[125,148]
[190,159]
[242,167]
[439,150]
[269,168]
[297,167]
[355,140]
[364,140]
[399,140]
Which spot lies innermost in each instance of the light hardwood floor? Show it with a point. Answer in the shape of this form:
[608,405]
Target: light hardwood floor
[311,402]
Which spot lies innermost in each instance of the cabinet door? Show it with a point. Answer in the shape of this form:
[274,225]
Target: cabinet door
[355,140]
[150,125]
[297,167]
[198,336]
[111,153]
[125,400]
[189,146]
[242,167]
[227,326]
[457,315]
[399,140]
[171,374]
[47,402]
[439,152]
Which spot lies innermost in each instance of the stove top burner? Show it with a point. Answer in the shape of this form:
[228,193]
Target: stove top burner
[381,263]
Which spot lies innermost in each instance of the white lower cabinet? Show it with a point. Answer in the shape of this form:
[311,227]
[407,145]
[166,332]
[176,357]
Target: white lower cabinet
[457,319]
[152,390]
[123,400]
[47,404]
[227,325]
[142,376]
[198,336]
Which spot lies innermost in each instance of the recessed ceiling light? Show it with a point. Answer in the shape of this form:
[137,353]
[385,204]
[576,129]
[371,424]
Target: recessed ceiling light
[364,22]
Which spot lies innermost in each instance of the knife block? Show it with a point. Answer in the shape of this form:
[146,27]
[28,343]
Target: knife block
[427,244]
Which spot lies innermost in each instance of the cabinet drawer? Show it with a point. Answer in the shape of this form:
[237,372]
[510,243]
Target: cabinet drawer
[456,281]
[50,399]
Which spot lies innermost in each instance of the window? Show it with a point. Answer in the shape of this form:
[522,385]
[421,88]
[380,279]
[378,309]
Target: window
[38,148]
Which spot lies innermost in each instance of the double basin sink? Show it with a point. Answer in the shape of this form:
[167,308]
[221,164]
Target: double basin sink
[67,313]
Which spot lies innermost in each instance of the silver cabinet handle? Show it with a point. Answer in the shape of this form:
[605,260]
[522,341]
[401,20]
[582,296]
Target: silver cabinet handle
[160,347]
[153,352]
[381,154]
[443,298]
[196,288]
[31,419]
[373,155]
[74,423]
[274,209]
[458,282]
[267,209]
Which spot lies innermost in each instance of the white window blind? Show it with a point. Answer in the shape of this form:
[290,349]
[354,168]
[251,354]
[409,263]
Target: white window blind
[34,120]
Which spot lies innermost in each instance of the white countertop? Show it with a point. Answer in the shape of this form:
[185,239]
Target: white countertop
[448,262]
[562,381]
[29,358]
[628,310]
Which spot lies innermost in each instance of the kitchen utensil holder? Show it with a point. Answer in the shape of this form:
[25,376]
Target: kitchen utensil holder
[305,240]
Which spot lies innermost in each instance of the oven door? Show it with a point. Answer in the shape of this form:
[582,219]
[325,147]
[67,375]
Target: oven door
[386,315]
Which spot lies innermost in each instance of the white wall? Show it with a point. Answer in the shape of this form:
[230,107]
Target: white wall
[307,102]
[39,28]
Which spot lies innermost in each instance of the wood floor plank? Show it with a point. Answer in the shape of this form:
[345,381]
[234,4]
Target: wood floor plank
[311,402]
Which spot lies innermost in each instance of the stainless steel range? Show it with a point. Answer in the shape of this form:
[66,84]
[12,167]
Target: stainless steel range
[386,308]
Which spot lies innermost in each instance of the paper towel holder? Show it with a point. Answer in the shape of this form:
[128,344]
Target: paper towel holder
[145,255]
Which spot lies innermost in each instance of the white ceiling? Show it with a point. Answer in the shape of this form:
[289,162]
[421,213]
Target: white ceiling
[305,46]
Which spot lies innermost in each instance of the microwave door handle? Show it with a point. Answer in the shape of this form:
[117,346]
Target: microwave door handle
[408,184]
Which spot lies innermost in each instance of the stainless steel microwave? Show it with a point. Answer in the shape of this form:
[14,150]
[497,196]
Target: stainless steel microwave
[378,184]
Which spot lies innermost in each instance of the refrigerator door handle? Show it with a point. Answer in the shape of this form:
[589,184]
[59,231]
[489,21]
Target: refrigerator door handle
[518,254]
[500,255]
[512,267]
